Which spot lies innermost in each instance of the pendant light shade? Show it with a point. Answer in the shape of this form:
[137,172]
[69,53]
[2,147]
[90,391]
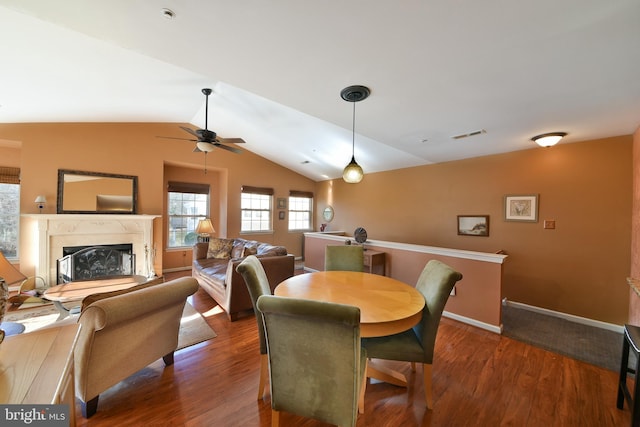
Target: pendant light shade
[353,173]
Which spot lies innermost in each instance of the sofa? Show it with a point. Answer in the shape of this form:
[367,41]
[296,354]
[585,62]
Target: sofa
[214,267]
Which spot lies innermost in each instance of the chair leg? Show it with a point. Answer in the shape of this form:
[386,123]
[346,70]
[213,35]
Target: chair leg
[427,369]
[363,387]
[90,407]
[168,359]
[275,418]
[264,375]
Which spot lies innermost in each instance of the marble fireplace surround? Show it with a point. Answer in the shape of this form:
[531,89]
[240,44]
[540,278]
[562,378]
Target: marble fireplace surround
[50,233]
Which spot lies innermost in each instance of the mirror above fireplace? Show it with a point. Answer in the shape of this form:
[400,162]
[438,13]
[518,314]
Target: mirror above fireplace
[95,192]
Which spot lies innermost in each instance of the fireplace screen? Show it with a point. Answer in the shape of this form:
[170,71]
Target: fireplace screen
[89,263]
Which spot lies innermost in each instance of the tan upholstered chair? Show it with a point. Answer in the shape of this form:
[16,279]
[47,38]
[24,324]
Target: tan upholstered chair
[316,364]
[257,283]
[122,334]
[343,258]
[417,344]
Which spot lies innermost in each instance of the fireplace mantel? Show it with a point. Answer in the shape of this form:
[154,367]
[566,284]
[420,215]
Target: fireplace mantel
[50,233]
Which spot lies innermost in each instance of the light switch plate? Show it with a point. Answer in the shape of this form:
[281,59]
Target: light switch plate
[549,224]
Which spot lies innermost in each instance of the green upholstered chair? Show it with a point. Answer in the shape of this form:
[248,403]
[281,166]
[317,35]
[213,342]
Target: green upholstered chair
[256,279]
[316,363]
[417,344]
[343,258]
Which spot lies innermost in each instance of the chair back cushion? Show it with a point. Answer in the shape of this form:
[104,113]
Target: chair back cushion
[257,282]
[343,258]
[316,362]
[435,282]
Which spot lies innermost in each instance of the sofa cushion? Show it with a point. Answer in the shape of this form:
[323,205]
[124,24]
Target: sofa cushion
[220,248]
[249,250]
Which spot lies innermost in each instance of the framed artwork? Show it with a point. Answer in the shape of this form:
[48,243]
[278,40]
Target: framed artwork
[522,208]
[473,225]
[282,203]
[281,215]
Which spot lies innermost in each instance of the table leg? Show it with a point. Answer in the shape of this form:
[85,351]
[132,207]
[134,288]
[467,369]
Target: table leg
[64,311]
[383,373]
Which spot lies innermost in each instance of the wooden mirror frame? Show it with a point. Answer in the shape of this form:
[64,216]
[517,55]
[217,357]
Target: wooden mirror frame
[119,203]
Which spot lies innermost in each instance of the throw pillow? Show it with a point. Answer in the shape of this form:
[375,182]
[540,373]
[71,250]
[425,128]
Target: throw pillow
[236,252]
[249,250]
[220,248]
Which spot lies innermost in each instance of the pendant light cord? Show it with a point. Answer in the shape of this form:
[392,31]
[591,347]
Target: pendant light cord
[353,133]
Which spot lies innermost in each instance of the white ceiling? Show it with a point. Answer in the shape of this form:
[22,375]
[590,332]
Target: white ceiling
[436,68]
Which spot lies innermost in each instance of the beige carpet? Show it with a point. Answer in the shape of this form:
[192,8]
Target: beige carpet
[193,328]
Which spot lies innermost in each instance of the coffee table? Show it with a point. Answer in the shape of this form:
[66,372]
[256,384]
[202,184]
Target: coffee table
[76,291]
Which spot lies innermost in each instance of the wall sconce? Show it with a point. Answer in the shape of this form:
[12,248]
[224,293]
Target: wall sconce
[548,139]
[40,201]
[204,230]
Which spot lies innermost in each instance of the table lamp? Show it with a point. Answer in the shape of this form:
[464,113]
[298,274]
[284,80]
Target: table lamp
[204,230]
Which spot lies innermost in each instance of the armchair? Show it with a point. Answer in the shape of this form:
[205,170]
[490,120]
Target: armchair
[121,334]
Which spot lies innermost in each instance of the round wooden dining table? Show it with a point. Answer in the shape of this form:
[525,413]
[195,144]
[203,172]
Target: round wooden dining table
[387,306]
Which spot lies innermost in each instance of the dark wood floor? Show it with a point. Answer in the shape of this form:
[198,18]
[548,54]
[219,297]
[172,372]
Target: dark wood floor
[480,379]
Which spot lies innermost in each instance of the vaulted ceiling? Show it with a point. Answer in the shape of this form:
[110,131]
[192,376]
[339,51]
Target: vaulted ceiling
[436,69]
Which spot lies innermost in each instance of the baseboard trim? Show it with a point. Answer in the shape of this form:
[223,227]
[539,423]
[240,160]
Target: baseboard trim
[566,316]
[473,322]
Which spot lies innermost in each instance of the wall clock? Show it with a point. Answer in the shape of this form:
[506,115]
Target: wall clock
[327,213]
[360,235]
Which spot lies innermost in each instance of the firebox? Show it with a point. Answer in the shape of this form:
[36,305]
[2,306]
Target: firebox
[94,262]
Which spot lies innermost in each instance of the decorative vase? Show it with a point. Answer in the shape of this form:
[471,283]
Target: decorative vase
[4,296]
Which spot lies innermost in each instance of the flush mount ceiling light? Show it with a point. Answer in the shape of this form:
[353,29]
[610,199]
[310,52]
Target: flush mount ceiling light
[353,173]
[548,139]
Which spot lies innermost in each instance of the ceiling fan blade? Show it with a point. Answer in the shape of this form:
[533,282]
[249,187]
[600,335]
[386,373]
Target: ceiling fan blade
[181,139]
[191,131]
[230,140]
[228,148]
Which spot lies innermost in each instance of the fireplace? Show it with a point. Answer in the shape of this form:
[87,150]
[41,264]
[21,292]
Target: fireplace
[49,234]
[94,262]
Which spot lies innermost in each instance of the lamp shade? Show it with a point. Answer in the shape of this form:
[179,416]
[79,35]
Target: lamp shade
[352,173]
[40,200]
[205,227]
[548,139]
[10,274]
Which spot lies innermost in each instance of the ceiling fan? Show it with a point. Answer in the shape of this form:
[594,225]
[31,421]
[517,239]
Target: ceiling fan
[205,139]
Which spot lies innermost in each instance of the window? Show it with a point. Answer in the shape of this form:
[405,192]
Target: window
[188,203]
[256,208]
[300,210]
[10,212]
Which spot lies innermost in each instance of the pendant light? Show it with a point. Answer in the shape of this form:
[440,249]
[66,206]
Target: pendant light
[353,173]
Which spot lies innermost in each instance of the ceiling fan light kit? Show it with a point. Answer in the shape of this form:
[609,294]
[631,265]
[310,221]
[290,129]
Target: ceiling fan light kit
[353,173]
[548,139]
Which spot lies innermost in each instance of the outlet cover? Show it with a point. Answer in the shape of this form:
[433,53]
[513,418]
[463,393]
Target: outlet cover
[550,224]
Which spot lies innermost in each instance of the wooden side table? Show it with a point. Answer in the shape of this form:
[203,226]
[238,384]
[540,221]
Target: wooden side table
[37,368]
[374,262]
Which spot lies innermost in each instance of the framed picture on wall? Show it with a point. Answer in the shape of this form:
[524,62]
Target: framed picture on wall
[282,203]
[281,215]
[521,207]
[473,225]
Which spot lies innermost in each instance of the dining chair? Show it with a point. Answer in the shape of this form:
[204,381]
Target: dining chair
[255,277]
[416,345]
[316,362]
[343,258]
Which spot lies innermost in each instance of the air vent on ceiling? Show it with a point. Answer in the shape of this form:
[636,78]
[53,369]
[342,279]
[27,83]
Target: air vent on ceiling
[466,135]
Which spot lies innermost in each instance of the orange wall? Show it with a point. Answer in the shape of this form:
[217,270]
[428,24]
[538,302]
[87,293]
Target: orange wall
[579,268]
[134,149]
[634,300]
